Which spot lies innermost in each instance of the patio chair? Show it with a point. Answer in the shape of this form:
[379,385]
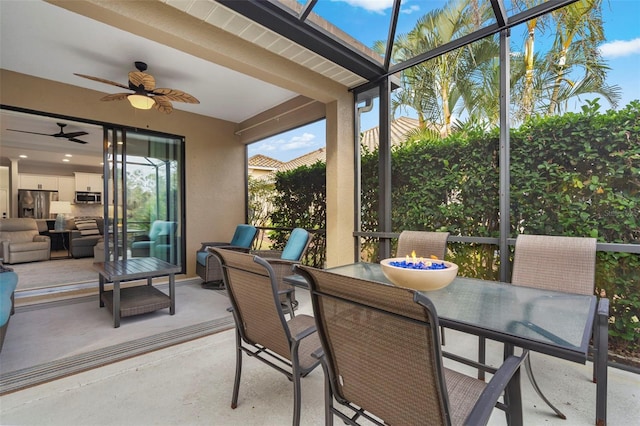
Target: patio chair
[382,358]
[159,242]
[208,266]
[261,328]
[554,263]
[282,262]
[425,244]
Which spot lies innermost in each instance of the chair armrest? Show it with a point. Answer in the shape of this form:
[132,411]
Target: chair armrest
[163,239]
[268,254]
[493,391]
[41,238]
[206,244]
[278,261]
[305,333]
[286,291]
[234,248]
[318,353]
[281,267]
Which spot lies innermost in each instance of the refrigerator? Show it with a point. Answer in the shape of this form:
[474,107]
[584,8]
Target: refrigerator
[35,204]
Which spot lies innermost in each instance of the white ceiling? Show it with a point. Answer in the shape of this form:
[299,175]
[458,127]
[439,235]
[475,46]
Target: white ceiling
[46,41]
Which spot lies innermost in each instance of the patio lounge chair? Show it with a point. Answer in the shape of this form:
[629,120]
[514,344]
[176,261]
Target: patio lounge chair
[261,328]
[382,358]
[554,263]
[282,262]
[208,266]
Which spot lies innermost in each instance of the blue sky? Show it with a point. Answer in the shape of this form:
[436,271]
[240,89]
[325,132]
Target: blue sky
[367,20]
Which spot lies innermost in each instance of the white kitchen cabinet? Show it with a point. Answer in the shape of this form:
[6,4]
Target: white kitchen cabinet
[66,188]
[89,182]
[30,181]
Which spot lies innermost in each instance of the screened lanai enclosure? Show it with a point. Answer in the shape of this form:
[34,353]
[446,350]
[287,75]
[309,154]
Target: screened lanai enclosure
[519,130]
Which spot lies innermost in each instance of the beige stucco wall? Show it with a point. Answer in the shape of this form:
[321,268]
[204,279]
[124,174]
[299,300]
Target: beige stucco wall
[215,165]
[215,175]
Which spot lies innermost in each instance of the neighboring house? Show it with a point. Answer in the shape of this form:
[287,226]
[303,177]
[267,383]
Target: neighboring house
[305,160]
[400,127]
[263,167]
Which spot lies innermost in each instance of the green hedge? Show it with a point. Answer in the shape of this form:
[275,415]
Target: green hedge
[300,201]
[577,175]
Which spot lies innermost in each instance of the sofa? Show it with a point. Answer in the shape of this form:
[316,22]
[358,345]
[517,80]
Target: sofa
[86,232]
[8,284]
[20,241]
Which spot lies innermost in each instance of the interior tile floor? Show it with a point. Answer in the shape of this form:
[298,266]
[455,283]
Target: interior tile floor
[191,384]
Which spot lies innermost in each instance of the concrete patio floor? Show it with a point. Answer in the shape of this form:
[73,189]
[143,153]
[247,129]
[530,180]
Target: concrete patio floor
[191,384]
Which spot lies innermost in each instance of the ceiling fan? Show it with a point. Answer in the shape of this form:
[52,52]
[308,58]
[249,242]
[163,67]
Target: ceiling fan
[146,95]
[61,134]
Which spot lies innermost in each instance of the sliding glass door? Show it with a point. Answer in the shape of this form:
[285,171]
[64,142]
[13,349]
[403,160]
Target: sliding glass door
[145,195]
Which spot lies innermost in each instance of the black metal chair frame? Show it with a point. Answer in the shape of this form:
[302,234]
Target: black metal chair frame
[304,325]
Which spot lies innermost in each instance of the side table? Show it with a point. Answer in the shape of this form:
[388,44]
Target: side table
[66,233]
[140,299]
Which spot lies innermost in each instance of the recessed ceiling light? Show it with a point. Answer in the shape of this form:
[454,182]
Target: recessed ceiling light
[22,156]
[66,160]
[68,155]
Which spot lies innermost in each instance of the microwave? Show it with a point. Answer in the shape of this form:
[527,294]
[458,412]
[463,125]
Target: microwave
[88,197]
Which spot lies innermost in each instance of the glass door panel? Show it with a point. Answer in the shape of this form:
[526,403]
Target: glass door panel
[146,196]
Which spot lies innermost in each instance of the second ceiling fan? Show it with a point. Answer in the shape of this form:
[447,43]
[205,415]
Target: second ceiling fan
[146,95]
[72,137]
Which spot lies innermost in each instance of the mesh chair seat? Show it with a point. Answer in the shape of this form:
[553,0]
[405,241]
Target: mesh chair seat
[382,358]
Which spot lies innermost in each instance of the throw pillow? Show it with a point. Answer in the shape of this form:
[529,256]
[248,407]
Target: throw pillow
[87,227]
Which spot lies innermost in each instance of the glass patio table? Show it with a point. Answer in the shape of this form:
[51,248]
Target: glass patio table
[554,323]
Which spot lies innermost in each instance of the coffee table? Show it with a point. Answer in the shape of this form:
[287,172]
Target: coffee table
[138,299]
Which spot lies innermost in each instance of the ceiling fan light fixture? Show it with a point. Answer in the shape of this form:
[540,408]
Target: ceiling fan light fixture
[141,101]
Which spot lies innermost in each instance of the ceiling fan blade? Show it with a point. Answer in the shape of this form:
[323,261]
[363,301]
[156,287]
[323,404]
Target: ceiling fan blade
[77,140]
[102,80]
[32,133]
[74,134]
[137,78]
[115,97]
[162,104]
[176,95]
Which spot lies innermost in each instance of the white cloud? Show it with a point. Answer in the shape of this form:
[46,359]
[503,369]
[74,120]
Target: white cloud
[409,10]
[306,140]
[377,6]
[272,147]
[620,48]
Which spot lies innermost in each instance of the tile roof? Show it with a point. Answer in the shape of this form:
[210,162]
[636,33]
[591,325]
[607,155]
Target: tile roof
[264,162]
[399,129]
[305,160]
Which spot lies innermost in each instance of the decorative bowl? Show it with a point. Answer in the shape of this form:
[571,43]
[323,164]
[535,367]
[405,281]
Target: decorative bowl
[419,279]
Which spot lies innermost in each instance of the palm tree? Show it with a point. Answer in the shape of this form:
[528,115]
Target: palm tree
[579,31]
[435,88]
[463,82]
[544,83]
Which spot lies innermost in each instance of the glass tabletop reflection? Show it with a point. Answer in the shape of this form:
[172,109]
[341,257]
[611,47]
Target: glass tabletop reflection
[561,320]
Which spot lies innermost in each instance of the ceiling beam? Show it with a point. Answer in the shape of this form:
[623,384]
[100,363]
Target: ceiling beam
[287,24]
